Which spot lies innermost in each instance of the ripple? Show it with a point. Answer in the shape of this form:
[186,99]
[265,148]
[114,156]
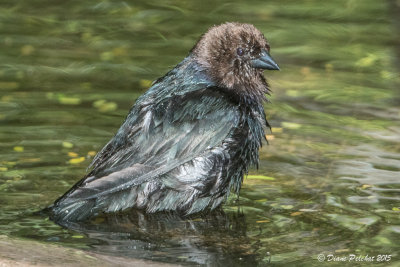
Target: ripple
[376,170]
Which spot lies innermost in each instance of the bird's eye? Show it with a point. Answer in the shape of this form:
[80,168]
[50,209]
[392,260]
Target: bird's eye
[240,51]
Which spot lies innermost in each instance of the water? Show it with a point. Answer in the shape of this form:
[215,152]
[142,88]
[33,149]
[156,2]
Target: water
[328,181]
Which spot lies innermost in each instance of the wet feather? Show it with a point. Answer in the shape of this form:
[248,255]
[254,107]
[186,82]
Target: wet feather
[188,141]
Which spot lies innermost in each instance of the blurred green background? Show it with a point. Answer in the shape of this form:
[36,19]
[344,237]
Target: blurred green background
[329,180]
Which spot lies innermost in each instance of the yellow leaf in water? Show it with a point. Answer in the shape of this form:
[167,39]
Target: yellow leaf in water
[388,75]
[109,106]
[263,221]
[104,106]
[3,169]
[287,207]
[145,83]
[262,177]
[290,125]
[342,250]
[365,186]
[276,129]
[92,153]
[296,213]
[69,100]
[98,103]
[270,136]
[367,61]
[396,209]
[72,154]
[19,148]
[292,93]
[76,160]
[67,144]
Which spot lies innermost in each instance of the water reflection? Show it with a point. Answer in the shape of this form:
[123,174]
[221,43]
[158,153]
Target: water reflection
[217,238]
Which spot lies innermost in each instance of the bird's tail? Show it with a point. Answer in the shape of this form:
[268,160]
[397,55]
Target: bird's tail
[79,210]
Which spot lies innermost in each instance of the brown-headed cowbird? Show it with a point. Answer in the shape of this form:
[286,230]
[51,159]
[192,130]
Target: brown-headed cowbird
[188,141]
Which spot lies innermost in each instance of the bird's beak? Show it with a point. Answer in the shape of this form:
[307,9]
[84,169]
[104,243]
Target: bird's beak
[265,61]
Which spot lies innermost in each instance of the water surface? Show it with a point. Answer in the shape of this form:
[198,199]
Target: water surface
[328,182]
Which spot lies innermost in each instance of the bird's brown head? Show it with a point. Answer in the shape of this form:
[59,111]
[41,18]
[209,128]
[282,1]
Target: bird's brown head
[235,55]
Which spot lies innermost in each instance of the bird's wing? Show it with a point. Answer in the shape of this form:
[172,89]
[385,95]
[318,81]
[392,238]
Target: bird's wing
[157,138]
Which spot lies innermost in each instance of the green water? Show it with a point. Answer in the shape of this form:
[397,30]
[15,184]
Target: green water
[328,182]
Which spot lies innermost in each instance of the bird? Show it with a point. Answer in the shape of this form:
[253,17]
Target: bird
[189,140]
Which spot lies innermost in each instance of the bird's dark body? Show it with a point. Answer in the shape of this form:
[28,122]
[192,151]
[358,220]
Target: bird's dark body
[185,144]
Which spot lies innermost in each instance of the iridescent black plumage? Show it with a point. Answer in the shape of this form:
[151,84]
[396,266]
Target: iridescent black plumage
[184,145]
